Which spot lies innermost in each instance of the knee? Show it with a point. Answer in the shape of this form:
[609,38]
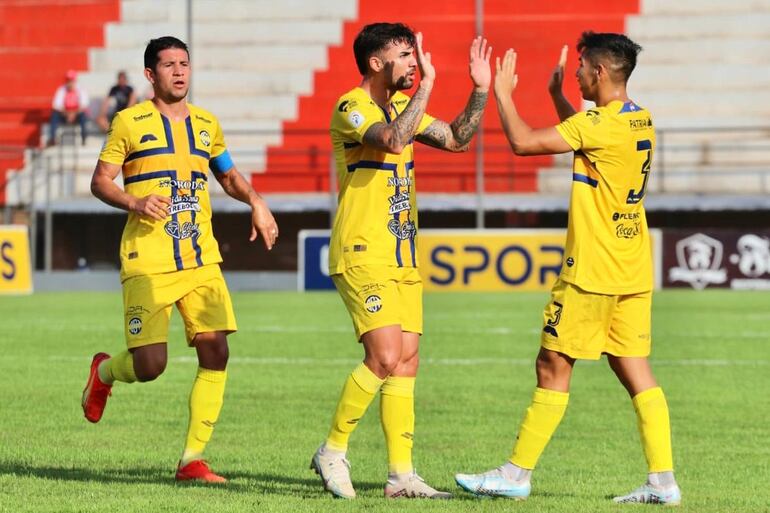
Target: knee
[149,370]
[383,364]
[213,351]
[553,370]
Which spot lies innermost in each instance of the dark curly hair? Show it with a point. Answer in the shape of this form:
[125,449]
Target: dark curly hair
[375,37]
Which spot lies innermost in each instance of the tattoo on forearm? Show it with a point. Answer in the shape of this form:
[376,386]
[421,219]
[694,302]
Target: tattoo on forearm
[438,134]
[403,127]
[466,124]
[406,122]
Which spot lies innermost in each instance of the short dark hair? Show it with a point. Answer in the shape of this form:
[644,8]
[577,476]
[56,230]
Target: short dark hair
[376,36]
[618,49]
[155,46]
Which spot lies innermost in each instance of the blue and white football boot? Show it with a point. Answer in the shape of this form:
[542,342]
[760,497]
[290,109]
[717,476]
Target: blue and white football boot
[494,483]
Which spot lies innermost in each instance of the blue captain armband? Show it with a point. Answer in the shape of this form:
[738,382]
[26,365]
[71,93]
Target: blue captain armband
[221,163]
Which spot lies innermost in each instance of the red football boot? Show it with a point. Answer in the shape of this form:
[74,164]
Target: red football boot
[96,392]
[198,470]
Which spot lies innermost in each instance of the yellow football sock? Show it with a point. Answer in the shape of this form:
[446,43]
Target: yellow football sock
[357,394]
[118,368]
[397,416]
[654,429]
[206,399]
[541,420]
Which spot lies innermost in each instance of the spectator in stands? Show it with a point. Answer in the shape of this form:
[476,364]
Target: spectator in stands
[121,96]
[70,103]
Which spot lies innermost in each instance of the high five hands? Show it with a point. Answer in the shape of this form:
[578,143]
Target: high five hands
[506,78]
[481,73]
[557,77]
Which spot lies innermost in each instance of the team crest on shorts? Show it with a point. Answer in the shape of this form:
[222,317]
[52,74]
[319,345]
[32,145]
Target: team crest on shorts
[373,303]
[135,326]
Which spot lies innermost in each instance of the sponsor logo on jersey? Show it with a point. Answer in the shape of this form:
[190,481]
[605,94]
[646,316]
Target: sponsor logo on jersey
[403,231]
[184,203]
[628,231]
[135,326]
[640,124]
[205,138]
[400,181]
[347,104]
[627,216]
[570,262]
[399,203]
[201,118]
[143,116]
[180,232]
[187,185]
[147,138]
[356,119]
[373,303]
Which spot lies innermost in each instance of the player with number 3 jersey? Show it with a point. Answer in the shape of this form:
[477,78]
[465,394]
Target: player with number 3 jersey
[602,300]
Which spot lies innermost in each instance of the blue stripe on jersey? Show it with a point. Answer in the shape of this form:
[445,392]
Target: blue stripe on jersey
[372,164]
[191,140]
[175,241]
[197,176]
[409,166]
[221,163]
[149,176]
[387,115]
[577,177]
[644,144]
[156,151]
[398,224]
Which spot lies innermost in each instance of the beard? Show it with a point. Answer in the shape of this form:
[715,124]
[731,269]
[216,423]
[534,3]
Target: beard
[404,82]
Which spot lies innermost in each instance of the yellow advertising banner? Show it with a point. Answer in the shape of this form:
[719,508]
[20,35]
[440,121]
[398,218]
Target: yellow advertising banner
[496,260]
[15,269]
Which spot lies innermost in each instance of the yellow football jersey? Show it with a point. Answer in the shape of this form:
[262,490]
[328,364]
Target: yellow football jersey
[608,249]
[376,220]
[168,158]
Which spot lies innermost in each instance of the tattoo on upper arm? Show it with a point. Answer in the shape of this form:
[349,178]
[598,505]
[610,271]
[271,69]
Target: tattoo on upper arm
[467,123]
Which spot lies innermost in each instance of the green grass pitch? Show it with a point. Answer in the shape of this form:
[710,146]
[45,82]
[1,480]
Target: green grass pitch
[711,353]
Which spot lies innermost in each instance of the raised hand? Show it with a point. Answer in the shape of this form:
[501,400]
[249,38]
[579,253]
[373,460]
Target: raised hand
[481,72]
[506,77]
[557,77]
[153,206]
[427,71]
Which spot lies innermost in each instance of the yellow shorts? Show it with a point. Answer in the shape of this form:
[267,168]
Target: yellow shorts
[378,296]
[200,295]
[584,325]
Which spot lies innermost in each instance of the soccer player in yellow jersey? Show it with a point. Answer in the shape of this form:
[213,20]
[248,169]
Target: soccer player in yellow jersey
[601,302]
[373,254]
[168,252]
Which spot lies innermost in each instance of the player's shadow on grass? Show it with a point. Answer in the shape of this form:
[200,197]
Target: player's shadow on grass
[279,484]
[136,475]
